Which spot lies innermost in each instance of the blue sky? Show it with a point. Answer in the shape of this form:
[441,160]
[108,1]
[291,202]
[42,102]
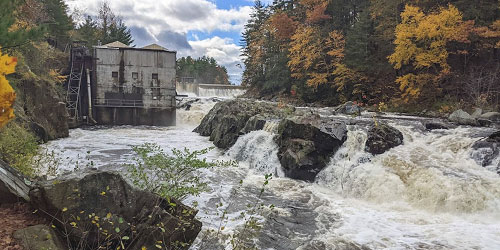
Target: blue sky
[191,27]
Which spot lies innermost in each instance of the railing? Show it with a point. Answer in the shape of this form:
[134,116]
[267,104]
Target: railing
[118,103]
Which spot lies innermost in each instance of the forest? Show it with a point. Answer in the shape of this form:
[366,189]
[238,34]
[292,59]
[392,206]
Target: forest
[439,54]
[205,70]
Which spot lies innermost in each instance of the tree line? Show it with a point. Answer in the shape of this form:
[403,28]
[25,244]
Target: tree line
[371,51]
[204,70]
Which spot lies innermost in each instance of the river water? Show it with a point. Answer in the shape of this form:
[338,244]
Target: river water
[426,194]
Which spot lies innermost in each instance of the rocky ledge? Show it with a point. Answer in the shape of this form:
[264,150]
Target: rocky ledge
[96,209]
[306,141]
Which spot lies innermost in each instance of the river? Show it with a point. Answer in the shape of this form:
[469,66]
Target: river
[426,194]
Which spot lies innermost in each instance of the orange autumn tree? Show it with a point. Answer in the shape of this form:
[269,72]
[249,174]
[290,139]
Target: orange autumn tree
[7,94]
[315,52]
[421,47]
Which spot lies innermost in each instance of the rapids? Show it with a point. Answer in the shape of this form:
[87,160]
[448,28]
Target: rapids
[426,194]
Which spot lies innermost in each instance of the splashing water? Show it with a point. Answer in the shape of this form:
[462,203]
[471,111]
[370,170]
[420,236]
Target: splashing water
[426,194]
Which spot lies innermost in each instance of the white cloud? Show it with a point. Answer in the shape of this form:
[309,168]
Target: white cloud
[223,50]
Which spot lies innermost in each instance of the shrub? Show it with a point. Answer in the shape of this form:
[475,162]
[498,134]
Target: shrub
[19,148]
[167,175]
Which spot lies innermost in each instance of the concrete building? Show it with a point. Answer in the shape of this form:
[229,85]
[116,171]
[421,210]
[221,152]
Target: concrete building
[133,86]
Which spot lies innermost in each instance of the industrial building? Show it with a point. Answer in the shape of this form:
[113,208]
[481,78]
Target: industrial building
[115,84]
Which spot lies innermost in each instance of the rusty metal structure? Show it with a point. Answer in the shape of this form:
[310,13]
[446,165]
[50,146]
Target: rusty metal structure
[115,84]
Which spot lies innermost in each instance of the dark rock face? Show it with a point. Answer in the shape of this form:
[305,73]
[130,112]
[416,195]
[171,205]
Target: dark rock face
[431,125]
[13,187]
[382,138]
[39,237]
[41,105]
[305,149]
[104,203]
[486,150]
[227,120]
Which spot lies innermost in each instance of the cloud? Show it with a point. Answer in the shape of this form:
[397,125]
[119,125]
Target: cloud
[223,50]
[166,22]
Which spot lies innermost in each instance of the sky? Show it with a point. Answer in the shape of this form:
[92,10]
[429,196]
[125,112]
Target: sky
[191,27]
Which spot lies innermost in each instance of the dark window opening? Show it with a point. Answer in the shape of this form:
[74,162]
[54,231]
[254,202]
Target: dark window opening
[114,74]
[155,76]
[135,75]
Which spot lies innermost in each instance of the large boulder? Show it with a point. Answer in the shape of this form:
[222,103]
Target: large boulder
[305,149]
[227,120]
[92,206]
[349,108]
[39,237]
[432,125]
[14,186]
[491,116]
[382,137]
[463,118]
[485,150]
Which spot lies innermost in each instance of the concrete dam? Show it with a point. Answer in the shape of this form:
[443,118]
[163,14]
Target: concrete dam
[209,90]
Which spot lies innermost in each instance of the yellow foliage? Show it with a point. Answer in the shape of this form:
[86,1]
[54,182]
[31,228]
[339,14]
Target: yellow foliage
[313,57]
[421,42]
[7,94]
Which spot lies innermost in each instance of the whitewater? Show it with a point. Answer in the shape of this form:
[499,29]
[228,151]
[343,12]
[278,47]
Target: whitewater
[429,193]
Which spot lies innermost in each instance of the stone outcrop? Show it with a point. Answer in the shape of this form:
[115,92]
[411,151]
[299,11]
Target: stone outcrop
[491,116]
[432,125]
[228,120]
[487,149]
[463,118]
[381,138]
[305,149]
[39,237]
[13,185]
[349,108]
[104,204]
[40,104]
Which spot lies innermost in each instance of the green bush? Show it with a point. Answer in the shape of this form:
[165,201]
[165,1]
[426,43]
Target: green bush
[167,175]
[19,148]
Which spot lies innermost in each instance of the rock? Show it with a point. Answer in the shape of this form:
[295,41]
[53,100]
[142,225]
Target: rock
[305,149]
[485,150]
[491,116]
[13,185]
[431,125]
[484,122]
[39,237]
[349,108]
[98,203]
[256,122]
[39,131]
[462,118]
[477,113]
[382,138]
[226,120]
[41,102]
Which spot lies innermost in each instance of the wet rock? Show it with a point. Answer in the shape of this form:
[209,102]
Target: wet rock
[305,149]
[39,237]
[349,108]
[431,125]
[491,116]
[96,203]
[13,185]
[381,138]
[226,121]
[463,118]
[256,122]
[486,150]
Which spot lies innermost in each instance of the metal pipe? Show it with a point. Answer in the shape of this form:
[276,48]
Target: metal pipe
[89,94]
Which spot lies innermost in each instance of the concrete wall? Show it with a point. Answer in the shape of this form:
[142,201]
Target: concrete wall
[133,81]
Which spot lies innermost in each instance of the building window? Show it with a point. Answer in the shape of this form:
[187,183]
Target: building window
[114,74]
[155,76]
[135,75]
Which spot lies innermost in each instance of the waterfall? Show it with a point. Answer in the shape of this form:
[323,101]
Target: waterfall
[432,171]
